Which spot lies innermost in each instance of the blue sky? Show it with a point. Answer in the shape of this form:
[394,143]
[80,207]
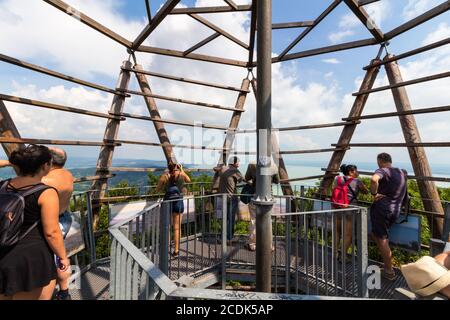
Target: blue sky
[312,90]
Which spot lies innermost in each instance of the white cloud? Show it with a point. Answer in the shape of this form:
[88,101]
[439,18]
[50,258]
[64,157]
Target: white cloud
[331,61]
[416,7]
[349,23]
[338,36]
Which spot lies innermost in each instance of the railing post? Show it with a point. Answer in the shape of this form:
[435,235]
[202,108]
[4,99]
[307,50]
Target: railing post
[164,237]
[446,233]
[288,244]
[363,291]
[224,240]
[90,229]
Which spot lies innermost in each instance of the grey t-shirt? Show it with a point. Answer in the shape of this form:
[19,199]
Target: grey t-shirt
[229,179]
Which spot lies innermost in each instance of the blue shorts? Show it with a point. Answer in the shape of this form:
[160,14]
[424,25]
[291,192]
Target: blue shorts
[65,222]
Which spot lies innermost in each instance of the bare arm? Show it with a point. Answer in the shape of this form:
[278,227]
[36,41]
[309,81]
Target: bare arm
[374,184]
[49,203]
[5,163]
[363,188]
[186,177]
[161,183]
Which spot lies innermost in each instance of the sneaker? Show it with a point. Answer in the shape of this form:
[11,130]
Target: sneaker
[388,275]
[63,296]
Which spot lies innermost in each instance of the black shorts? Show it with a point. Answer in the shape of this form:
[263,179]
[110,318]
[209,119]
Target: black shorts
[381,220]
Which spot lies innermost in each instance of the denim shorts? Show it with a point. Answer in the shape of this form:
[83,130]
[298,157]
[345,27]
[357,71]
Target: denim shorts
[65,222]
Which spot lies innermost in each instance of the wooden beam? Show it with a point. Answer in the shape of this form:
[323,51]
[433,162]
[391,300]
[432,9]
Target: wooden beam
[178,100]
[313,151]
[64,7]
[111,134]
[401,113]
[180,79]
[430,14]
[154,144]
[289,25]
[397,145]
[163,136]
[415,146]
[324,14]
[55,74]
[324,50]
[303,179]
[192,56]
[234,122]
[202,43]
[215,28]
[349,130]
[217,9]
[174,122]
[253,20]
[364,17]
[366,2]
[412,52]
[156,21]
[405,83]
[232,4]
[93,178]
[149,10]
[128,169]
[11,140]
[8,130]
[58,107]
[315,126]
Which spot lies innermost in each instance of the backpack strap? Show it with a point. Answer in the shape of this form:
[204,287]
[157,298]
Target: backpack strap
[4,185]
[33,190]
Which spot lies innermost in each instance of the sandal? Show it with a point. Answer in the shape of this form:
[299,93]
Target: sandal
[388,275]
[175,254]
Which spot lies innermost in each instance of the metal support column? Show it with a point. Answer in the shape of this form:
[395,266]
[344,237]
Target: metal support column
[263,199]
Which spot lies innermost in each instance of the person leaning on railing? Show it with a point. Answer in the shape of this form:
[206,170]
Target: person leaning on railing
[173,185]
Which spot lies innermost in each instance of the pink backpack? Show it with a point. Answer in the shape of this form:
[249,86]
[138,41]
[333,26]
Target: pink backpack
[339,197]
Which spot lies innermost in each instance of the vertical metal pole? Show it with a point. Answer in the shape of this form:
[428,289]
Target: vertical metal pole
[362,260]
[288,245]
[224,240]
[263,201]
[164,234]
[91,228]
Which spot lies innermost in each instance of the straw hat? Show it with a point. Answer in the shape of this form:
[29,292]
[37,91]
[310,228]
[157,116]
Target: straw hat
[426,276]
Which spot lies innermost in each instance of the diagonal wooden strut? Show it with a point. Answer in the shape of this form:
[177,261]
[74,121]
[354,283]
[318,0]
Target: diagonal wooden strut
[234,123]
[111,133]
[8,130]
[154,114]
[349,130]
[417,154]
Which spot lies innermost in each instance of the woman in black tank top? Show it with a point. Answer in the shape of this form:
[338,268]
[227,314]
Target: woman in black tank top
[27,269]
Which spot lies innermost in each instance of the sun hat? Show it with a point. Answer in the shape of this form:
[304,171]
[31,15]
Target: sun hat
[426,276]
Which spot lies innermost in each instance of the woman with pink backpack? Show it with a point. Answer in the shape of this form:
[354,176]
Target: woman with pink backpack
[345,193]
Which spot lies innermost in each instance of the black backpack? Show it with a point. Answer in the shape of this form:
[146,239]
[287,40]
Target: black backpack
[12,206]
